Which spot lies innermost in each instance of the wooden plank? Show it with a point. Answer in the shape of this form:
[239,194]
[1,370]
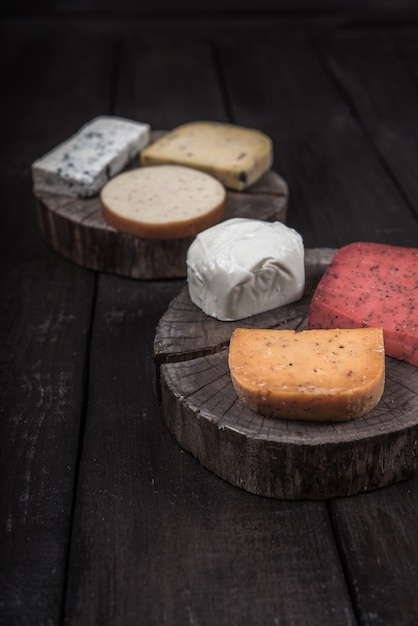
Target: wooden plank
[258,557]
[44,324]
[378,81]
[378,541]
[157,538]
[317,138]
[165,99]
[339,191]
[59,88]
[206,541]
[377,535]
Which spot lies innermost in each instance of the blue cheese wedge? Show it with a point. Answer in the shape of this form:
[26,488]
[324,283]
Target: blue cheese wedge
[80,166]
[242,267]
[235,155]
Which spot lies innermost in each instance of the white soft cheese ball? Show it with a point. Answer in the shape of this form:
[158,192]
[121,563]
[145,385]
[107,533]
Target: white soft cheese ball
[242,267]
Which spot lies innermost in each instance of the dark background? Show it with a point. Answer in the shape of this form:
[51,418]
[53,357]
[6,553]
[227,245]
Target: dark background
[104,519]
[359,8]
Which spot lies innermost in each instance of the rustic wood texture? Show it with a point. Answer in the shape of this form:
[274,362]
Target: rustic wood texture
[318,138]
[45,315]
[174,530]
[104,519]
[267,456]
[362,522]
[76,229]
[204,533]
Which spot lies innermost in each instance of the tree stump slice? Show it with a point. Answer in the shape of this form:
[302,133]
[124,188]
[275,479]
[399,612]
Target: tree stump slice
[270,457]
[76,229]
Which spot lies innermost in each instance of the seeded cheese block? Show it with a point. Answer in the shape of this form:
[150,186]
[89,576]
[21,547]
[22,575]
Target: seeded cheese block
[163,202]
[80,166]
[370,284]
[320,375]
[242,267]
[236,156]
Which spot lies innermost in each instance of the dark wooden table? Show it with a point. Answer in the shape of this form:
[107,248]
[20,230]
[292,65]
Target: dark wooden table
[104,518]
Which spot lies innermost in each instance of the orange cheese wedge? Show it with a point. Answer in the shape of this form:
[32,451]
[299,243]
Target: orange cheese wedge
[321,375]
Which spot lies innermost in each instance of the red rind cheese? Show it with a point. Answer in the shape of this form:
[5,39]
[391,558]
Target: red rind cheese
[371,284]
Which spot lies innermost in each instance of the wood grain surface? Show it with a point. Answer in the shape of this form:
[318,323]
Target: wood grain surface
[290,459]
[76,229]
[105,518]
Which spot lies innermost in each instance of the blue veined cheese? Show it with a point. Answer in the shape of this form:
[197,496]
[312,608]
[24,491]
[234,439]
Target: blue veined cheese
[81,165]
[242,267]
[235,155]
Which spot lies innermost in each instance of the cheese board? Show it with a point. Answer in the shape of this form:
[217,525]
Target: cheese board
[76,229]
[271,457]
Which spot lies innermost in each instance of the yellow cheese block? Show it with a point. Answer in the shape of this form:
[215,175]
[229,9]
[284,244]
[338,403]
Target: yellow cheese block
[236,156]
[322,375]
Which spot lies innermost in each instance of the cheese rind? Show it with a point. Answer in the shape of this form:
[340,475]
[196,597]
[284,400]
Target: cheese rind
[235,155]
[242,267]
[371,284]
[163,202]
[319,375]
[81,165]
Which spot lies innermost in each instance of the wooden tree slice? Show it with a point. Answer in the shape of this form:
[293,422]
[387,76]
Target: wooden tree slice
[270,457]
[76,229]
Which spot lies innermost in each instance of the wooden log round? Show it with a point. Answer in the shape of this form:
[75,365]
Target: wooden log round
[270,457]
[75,229]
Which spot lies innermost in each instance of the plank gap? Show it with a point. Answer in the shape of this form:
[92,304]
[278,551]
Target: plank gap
[82,429]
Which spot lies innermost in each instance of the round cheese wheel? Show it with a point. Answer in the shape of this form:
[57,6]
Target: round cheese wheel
[163,202]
